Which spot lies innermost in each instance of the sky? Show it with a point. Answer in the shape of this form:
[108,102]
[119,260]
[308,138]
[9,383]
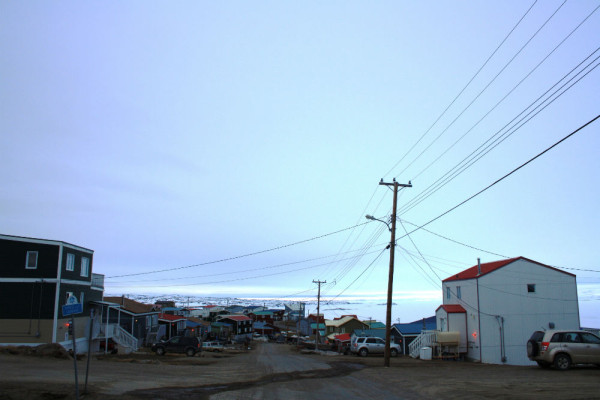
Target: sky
[234,148]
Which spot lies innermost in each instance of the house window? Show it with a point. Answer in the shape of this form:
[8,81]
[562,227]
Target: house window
[448,293]
[458,293]
[70,262]
[31,261]
[85,266]
[531,288]
[81,297]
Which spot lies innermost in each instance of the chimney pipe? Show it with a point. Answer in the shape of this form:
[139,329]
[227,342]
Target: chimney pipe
[478,266]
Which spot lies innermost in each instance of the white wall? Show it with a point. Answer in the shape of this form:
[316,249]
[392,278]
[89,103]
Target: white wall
[504,293]
[468,300]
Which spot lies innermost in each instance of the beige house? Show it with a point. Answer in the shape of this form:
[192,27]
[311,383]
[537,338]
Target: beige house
[345,324]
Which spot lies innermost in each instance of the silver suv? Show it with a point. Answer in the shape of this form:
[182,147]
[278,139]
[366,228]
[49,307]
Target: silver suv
[363,346]
[563,348]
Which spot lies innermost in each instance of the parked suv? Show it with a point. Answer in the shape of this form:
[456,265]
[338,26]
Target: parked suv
[364,346]
[563,348]
[178,344]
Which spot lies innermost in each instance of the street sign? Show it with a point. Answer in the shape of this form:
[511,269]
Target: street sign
[72,307]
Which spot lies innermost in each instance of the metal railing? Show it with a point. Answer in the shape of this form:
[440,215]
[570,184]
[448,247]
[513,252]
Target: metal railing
[119,335]
[425,339]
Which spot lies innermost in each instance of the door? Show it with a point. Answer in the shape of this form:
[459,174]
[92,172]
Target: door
[592,347]
[574,344]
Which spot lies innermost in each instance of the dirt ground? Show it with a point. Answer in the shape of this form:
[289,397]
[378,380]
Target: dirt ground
[277,371]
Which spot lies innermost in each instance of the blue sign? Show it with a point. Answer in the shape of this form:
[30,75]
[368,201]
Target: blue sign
[70,309]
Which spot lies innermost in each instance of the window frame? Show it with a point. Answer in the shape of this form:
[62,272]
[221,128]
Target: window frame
[70,264]
[85,261]
[448,293]
[458,292]
[37,256]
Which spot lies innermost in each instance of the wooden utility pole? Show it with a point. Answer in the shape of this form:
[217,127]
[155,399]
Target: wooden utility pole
[388,315]
[318,312]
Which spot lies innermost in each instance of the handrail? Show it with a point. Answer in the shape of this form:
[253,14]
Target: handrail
[426,339]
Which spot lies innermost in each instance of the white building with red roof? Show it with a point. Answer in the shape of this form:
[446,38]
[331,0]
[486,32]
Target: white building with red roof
[498,305]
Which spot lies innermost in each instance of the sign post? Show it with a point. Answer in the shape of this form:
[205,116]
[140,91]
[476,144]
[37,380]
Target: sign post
[71,308]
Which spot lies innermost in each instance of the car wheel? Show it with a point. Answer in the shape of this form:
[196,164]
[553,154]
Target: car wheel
[532,348]
[363,352]
[160,351]
[190,352]
[562,362]
[543,364]
[393,352]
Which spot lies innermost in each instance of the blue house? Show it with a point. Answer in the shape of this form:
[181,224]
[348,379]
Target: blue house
[404,334]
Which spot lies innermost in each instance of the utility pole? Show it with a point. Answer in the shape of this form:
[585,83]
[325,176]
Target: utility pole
[318,312]
[388,315]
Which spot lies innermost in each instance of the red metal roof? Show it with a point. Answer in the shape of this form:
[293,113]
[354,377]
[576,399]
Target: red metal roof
[171,317]
[486,268]
[344,337]
[452,308]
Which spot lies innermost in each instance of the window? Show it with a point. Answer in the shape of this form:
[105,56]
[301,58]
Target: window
[458,293]
[371,340]
[81,297]
[531,288]
[448,293]
[85,266]
[70,262]
[31,261]
[589,338]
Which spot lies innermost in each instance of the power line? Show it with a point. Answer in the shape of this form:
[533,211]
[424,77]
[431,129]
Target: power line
[238,257]
[455,241]
[514,88]
[490,144]
[463,89]
[504,177]
[486,87]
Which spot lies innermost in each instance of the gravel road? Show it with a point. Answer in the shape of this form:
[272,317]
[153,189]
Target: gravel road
[277,371]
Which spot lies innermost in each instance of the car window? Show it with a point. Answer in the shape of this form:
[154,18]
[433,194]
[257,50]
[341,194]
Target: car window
[380,341]
[557,337]
[537,336]
[371,340]
[571,337]
[361,340]
[589,338]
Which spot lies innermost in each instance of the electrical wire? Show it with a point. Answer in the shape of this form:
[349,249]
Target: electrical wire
[504,177]
[463,89]
[240,256]
[490,144]
[485,88]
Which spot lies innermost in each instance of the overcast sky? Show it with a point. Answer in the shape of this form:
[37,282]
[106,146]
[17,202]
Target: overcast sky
[181,136]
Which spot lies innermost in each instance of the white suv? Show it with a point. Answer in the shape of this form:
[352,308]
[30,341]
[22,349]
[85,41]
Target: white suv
[363,346]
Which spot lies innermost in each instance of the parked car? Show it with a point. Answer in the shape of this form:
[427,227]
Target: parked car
[213,346]
[189,345]
[563,348]
[363,346]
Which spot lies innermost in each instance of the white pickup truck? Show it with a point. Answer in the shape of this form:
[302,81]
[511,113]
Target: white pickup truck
[212,346]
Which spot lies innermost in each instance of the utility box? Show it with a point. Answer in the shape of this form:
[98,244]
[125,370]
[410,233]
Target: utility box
[425,353]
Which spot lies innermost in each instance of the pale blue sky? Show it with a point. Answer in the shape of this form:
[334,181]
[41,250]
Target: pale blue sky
[165,135]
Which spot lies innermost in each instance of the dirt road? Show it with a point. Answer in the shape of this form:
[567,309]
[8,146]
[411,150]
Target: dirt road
[275,371]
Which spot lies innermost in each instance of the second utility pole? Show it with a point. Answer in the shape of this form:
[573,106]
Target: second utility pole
[388,314]
[318,311]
